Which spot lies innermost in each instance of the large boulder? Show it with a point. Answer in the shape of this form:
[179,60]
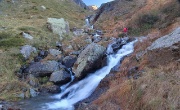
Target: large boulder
[26,51]
[58,26]
[42,68]
[89,60]
[60,77]
[166,41]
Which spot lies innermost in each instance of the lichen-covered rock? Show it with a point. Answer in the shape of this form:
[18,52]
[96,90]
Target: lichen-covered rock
[89,60]
[58,26]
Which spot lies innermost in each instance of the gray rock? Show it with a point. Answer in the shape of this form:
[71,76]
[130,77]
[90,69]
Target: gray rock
[69,61]
[33,81]
[42,8]
[60,77]
[53,89]
[33,93]
[78,32]
[27,50]
[75,52]
[58,26]
[27,36]
[167,40]
[54,52]
[22,96]
[42,68]
[97,38]
[88,60]
[88,41]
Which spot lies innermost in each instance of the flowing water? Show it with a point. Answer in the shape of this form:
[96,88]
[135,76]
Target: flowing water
[86,87]
[82,89]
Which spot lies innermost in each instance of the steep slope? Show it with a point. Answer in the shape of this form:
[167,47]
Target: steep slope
[156,14]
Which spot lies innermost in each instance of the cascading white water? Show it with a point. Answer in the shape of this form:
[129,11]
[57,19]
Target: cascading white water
[85,87]
[87,22]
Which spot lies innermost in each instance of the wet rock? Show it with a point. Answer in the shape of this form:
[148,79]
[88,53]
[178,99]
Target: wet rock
[27,36]
[27,50]
[42,68]
[33,93]
[58,26]
[69,61]
[119,42]
[89,60]
[60,77]
[53,89]
[96,38]
[167,40]
[54,52]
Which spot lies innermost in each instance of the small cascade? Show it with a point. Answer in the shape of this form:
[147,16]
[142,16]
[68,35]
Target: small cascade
[84,88]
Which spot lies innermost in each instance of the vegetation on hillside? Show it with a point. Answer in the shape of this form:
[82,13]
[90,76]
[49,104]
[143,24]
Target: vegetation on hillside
[28,16]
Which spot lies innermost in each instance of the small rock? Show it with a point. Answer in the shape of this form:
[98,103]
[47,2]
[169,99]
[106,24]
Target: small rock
[69,61]
[22,96]
[27,50]
[43,53]
[27,36]
[60,77]
[33,81]
[33,93]
[54,89]
[54,52]
[42,8]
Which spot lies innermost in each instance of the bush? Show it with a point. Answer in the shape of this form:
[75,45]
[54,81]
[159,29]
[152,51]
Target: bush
[148,19]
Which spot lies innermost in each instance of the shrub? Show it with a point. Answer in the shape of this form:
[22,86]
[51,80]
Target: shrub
[148,19]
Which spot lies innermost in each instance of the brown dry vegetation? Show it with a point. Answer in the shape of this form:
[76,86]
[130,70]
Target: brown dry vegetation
[140,16]
[156,89]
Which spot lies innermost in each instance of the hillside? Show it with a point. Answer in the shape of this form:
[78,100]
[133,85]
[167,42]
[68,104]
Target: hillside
[147,79]
[29,16]
[140,16]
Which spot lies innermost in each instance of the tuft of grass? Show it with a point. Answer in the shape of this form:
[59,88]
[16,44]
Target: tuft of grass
[12,42]
[27,28]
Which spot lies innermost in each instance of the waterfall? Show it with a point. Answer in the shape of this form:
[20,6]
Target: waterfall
[87,22]
[84,88]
